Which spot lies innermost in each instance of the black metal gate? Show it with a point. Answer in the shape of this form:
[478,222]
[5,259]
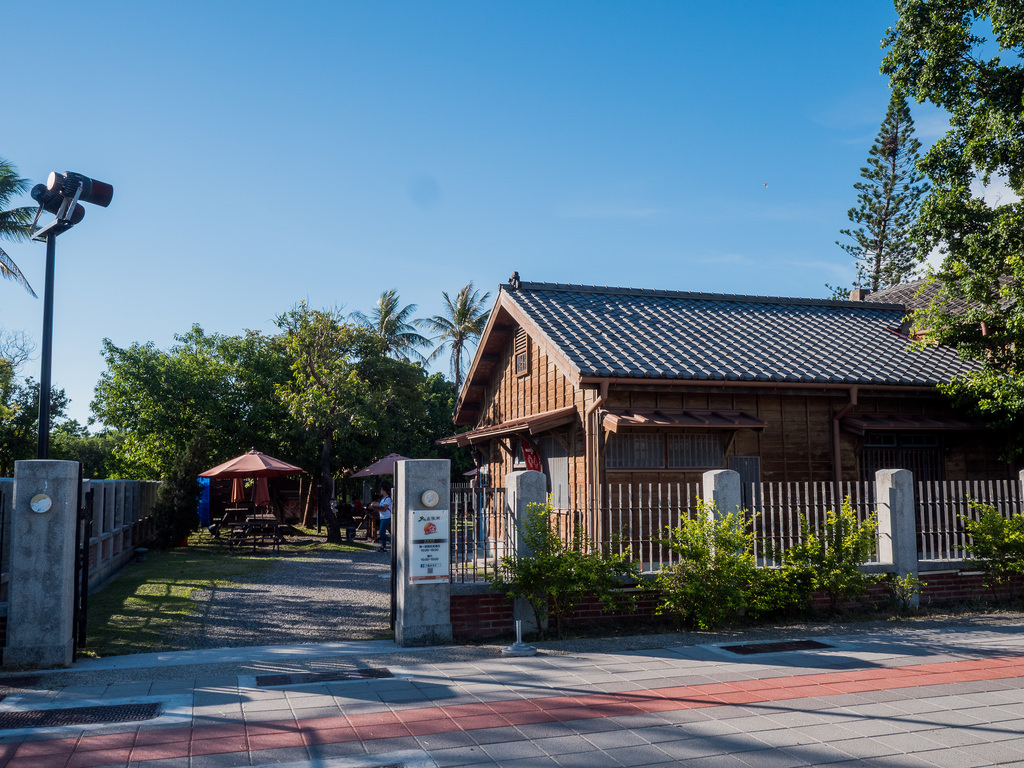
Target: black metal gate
[83,534]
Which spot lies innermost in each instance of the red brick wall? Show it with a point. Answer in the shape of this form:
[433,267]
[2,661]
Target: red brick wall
[477,617]
[489,615]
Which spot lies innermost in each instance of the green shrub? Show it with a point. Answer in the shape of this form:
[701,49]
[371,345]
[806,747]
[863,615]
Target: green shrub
[827,559]
[779,592]
[903,590]
[554,576]
[708,586]
[997,547]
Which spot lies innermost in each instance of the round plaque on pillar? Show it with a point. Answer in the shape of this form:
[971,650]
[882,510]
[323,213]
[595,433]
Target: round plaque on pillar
[429,499]
[40,503]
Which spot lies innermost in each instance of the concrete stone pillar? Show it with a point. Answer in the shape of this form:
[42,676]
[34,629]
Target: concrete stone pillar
[722,487]
[6,504]
[421,524]
[897,527]
[109,499]
[42,577]
[522,489]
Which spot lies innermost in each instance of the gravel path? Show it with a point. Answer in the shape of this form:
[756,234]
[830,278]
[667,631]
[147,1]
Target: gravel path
[317,598]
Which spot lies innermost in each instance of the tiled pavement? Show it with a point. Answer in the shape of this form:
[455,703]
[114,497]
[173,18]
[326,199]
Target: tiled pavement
[952,698]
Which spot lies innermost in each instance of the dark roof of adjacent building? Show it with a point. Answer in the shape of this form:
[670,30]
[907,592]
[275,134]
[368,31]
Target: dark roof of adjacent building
[655,334]
[918,294]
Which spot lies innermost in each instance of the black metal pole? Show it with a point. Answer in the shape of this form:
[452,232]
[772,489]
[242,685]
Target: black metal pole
[43,450]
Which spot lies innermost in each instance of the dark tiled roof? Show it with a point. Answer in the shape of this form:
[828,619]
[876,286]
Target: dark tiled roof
[615,332]
[921,293]
[906,294]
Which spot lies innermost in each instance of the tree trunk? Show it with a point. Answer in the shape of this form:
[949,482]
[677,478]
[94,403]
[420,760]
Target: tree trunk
[327,516]
[307,503]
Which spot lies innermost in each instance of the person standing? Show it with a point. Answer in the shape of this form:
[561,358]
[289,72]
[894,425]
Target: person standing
[383,507]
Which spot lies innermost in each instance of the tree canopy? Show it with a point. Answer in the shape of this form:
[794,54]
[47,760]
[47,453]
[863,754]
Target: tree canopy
[160,399]
[14,222]
[888,197]
[965,57]
[462,323]
[395,326]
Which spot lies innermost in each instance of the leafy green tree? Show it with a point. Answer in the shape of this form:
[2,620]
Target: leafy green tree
[964,56]
[20,432]
[224,385]
[459,327]
[71,441]
[395,326]
[14,222]
[327,393]
[888,200]
[15,350]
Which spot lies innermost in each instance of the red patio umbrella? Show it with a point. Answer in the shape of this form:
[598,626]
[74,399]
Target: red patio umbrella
[260,493]
[253,464]
[385,466]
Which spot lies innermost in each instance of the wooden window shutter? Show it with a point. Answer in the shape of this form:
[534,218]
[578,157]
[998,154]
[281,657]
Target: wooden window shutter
[521,354]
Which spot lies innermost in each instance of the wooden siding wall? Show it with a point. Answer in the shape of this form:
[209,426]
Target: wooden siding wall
[795,446]
[544,388]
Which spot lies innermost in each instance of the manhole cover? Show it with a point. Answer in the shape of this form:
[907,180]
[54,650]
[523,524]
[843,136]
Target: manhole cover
[44,718]
[306,678]
[779,647]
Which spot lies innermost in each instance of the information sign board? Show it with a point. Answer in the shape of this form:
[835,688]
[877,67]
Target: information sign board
[429,546]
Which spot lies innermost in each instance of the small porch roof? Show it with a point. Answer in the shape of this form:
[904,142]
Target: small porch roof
[535,424]
[879,422]
[614,420]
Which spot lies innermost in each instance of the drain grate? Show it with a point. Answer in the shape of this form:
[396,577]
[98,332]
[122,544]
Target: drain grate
[21,681]
[779,647]
[306,678]
[45,718]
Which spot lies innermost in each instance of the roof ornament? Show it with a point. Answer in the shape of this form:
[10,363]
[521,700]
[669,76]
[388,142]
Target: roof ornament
[514,281]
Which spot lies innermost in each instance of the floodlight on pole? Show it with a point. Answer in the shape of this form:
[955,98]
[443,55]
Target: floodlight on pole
[60,196]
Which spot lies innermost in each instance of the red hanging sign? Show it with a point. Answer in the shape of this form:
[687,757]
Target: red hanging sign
[531,457]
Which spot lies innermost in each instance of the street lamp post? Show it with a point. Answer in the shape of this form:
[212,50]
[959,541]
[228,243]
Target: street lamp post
[59,196]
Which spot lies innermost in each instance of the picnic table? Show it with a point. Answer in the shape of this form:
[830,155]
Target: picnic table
[260,530]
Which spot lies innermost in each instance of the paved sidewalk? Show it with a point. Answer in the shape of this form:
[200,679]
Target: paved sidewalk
[951,697]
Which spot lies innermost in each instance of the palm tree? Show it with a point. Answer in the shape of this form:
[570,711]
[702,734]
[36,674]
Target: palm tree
[14,223]
[462,323]
[394,327]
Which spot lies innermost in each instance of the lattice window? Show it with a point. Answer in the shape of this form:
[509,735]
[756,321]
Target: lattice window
[921,453]
[694,451]
[635,451]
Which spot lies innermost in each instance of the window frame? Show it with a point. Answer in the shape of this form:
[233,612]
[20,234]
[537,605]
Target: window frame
[664,465]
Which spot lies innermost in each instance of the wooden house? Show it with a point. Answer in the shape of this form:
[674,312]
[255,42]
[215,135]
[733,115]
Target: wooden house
[600,386]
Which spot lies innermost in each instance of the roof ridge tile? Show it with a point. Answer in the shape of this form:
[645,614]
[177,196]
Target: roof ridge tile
[700,296]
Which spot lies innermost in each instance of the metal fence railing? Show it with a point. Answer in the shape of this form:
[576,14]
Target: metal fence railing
[480,534]
[636,519]
[777,520]
[942,508]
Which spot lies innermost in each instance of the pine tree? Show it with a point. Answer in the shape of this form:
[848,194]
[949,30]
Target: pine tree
[888,201]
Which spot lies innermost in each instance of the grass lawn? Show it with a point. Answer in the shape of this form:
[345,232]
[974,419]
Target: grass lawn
[137,610]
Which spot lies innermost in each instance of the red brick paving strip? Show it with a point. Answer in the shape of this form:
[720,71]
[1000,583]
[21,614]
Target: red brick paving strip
[158,744]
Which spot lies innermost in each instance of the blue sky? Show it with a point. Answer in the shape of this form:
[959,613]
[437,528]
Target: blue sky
[265,153]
